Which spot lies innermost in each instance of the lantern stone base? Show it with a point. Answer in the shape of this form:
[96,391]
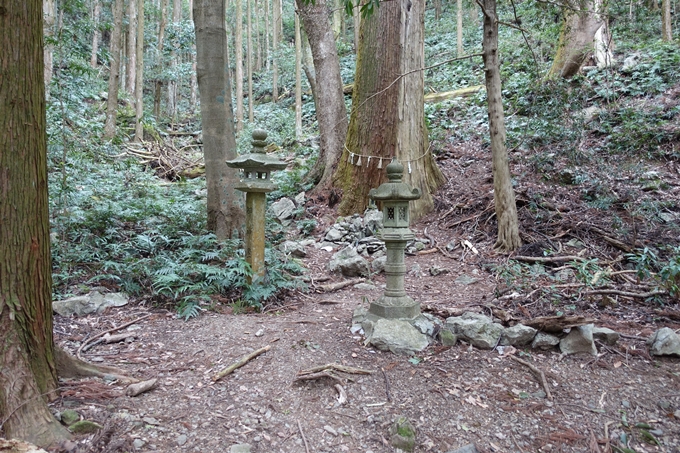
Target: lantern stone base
[402,307]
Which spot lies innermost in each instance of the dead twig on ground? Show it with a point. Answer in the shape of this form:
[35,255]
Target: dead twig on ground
[312,376]
[538,374]
[140,387]
[547,259]
[240,362]
[342,395]
[82,346]
[625,293]
[336,367]
[387,385]
[302,434]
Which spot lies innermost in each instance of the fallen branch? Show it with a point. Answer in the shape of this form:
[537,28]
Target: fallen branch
[625,293]
[342,395]
[547,259]
[336,367]
[304,439]
[141,387]
[240,362]
[339,285]
[312,376]
[387,385]
[82,346]
[556,324]
[538,373]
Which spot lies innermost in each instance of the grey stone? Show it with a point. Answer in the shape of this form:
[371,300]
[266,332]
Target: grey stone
[544,340]
[294,248]
[477,329]
[348,262]
[94,302]
[664,342]
[85,427]
[69,417]
[469,448]
[300,199]
[240,448]
[605,335]
[336,233]
[447,337]
[579,341]
[284,209]
[518,335]
[373,221]
[465,280]
[378,264]
[397,336]
[425,324]
[451,246]
[359,315]
[138,444]
[403,435]
[436,270]
[181,439]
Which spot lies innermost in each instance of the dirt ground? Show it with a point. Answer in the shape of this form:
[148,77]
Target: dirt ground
[453,395]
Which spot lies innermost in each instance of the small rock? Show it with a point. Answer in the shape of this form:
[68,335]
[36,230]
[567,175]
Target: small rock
[259,333]
[447,337]
[544,340]
[378,264]
[330,430]
[579,340]
[436,270]
[664,342]
[364,286]
[469,448]
[283,210]
[348,262]
[605,335]
[300,199]
[69,417]
[85,427]
[403,435]
[397,336]
[518,335]
[465,280]
[295,249]
[181,439]
[240,448]
[138,444]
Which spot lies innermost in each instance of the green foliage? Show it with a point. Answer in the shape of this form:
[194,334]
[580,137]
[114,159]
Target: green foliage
[663,265]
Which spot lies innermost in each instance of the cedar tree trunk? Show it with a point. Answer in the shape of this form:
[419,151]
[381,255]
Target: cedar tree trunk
[27,368]
[331,113]
[225,212]
[504,197]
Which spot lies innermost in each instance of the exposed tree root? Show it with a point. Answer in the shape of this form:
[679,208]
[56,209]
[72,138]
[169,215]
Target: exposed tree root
[71,367]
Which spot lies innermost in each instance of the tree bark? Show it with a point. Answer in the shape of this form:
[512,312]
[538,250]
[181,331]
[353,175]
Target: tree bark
[331,113]
[131,68]
[249,59]
[114,71]
[96,35]
[459,27]
[666,24]
[139,73]
[581,22]
[238,50]
[298,78]
[225,203]
[387,118]
[276,33]
[158,87]
[175,59]
[27,367]
[504,197]
[50,16]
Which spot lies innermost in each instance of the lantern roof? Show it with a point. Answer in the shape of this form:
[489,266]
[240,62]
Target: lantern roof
[394,189]
[258,158]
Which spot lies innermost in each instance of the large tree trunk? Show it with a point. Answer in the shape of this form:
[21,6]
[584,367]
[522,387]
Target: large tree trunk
[27,368]
[162,22]
[249,59]
[114,71]
[131,68]
[504,197]
[139,73]
[387,118]
[277,26]
[331,113]
[666,23]
[225,212]
[238,50]
[576,42]
[298,79]
[175,59]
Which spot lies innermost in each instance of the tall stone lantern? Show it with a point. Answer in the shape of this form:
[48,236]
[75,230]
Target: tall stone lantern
[395,196]
[256,168]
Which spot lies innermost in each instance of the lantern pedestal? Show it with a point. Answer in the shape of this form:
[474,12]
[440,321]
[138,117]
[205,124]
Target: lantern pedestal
[395,196]
[256,168]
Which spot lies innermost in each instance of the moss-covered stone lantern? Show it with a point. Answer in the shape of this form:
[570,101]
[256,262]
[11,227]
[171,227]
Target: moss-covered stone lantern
[395,196]
[256,168]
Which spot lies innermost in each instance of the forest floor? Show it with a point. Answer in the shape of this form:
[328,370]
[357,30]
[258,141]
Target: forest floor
[453,395]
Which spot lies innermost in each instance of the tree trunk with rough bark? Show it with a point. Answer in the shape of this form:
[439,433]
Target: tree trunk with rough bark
[576,42]
[387,118]
[276,33]
[459,27]
[249,58]
[139,73]
[96,35]
[114,71]
[131,68]
[158,86]
[175,59]
[27,366]
[331,113]
[225,203]
[298,79]
[666,24]
[238,50]
[504,197]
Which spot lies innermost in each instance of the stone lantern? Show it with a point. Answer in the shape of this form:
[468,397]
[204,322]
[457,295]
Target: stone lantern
[395,196]
[256,168]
